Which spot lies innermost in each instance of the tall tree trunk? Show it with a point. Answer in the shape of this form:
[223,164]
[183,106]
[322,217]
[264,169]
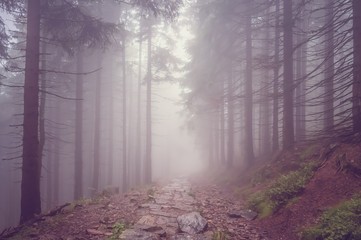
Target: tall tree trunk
[275,135]
[78,166]
[249,152]
[97,113]
[42,103]
[138,157]
[356,84]
[31,167]
[56,156]
[148,149]
[288,88]
[217,136]
[211,141]
[230,122]
[110,127]
[303,82]
[49,177]
[124,94]
[298,90]
[222,123]
[301,72]
[329,68]
[265,120]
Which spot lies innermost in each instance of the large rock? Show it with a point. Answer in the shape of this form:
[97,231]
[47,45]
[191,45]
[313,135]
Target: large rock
[138,234]
[192,223]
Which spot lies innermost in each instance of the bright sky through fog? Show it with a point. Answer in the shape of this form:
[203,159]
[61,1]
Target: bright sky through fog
[175,152]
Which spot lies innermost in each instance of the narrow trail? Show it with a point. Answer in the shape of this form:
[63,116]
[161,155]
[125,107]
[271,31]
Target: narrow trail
[180,211]
[159,218]
[176,211]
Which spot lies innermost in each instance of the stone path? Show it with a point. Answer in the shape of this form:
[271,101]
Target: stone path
[171,213]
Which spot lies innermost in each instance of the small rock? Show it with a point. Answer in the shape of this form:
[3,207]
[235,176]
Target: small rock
[235,214]
[192,223]
[248,214]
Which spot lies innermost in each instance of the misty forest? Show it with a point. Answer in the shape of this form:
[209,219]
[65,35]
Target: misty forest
[180,119]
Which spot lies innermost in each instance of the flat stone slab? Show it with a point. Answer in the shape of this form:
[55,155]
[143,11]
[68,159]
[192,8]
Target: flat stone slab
[192,223]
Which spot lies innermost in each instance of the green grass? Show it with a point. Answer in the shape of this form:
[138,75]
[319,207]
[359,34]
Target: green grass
[118,229]
[341,222]
[282,191]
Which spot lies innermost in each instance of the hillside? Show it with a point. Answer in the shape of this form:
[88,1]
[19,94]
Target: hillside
[310,193]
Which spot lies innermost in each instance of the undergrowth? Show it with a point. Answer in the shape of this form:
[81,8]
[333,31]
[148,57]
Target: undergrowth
[118,229]
[284,189]
[341,222]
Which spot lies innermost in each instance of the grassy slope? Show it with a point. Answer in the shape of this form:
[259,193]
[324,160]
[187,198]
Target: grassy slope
[298,193]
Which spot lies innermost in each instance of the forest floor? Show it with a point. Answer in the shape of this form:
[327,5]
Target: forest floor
[149,213]
[220,197]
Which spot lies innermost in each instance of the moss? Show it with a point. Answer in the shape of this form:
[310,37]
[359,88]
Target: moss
[282,191]
[341,222]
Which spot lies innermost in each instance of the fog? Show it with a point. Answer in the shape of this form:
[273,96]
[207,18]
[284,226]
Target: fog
[143,91]
[175,149]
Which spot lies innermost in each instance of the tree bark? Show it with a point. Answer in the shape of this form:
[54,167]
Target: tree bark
[230,119]
[148,150]
[97,113]
[31,166]
[111,128]
[222,123]
[124,132]
[78,166]
[138,156]
[56,156]
[288,88]
[329,68]
[275,135]
[249,152]
[265,106]
[356,84]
